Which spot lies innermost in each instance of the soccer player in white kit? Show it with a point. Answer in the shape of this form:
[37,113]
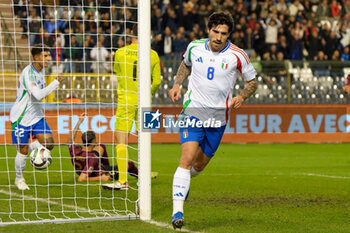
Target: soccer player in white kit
[26,116]
[214,64]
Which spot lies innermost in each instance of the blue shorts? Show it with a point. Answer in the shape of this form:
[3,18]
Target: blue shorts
[20,134]
[208,138]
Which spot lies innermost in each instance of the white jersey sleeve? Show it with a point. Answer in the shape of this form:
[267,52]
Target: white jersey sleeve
[34,90]
[245,67]
[187,54]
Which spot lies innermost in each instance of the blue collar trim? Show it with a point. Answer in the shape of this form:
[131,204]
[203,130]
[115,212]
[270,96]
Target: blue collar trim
[31,64]
[228,44]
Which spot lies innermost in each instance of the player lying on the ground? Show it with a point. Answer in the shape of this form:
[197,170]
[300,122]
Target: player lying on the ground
[26,115]
[91,160]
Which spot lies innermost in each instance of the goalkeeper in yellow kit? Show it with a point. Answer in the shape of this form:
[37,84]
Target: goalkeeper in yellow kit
[125,67]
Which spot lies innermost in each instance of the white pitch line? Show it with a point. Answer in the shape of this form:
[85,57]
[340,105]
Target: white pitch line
[322,175]
[159,224]
[47,201]
[168,226]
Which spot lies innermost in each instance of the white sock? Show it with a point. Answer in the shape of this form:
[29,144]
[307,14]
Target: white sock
[20,164]
[194,172]
[33,145]
[181,185]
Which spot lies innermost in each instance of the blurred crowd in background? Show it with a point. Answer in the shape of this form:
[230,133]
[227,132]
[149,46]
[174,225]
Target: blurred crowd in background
[91,30]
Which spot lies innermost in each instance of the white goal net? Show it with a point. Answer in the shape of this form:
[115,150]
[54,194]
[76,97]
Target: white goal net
[83,36]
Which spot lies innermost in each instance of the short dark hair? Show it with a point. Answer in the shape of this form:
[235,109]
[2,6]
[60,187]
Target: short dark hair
[39,48]
[88,137]
[134,30]
[220,18]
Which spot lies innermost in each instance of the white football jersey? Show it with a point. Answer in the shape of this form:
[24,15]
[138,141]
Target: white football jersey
[27,109]
[213,75]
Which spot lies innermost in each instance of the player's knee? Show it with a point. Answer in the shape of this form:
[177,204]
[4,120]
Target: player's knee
[23,150]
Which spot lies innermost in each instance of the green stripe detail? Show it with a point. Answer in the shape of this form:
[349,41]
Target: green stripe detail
[187,101]
[23,94]
[189,53]
[19,119]
[31,74]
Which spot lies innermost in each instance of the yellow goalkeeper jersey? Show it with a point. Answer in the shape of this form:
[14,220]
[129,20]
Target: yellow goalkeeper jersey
[125,67]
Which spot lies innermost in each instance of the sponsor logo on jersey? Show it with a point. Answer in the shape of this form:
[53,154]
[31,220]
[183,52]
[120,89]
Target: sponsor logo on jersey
[199,60]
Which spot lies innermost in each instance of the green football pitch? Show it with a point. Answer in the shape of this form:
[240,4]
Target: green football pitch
[245,188]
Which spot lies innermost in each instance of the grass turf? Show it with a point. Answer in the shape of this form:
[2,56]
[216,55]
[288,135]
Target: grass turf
[245,188]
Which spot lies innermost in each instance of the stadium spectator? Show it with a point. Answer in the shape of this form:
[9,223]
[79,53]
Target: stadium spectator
[91,161]
[105,22]
[282,7]
[271,29]
[170,19]
[34,29]
[335,9]
[259,39]
[254,8]
[323,10]
[179,45]
[283,46]
[200,144]
[99,54]
[168,47]
[332,44]
[124,68]
[157,44]
[157,22]
[346,7]
[345,35]
[57,56]
[72,55]
[345,54]
[312,44]
[256,62]
[85,66]
[295,7]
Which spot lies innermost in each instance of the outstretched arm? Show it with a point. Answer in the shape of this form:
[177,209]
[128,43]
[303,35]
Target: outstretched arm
[182,73]
[84,177]
[75,131]
[248,90]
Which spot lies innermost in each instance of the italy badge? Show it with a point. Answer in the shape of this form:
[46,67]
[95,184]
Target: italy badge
[224,64]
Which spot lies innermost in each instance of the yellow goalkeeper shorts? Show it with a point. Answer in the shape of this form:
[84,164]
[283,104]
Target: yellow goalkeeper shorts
[125,117]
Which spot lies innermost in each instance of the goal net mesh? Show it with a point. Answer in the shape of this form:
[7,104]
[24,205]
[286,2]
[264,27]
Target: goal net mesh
[83,36]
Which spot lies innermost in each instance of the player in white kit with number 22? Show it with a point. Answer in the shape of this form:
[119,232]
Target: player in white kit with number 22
[26,116]
[214,65]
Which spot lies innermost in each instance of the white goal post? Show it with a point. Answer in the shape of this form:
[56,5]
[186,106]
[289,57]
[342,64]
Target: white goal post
[144,30]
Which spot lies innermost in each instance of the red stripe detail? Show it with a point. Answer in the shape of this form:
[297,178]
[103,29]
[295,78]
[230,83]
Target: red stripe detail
[239,64]
[227,108]
[236,49]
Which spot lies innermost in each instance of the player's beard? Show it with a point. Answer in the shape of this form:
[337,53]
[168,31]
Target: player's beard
[217,46]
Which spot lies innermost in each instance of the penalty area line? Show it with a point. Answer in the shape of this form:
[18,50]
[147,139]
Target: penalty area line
[322,175]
